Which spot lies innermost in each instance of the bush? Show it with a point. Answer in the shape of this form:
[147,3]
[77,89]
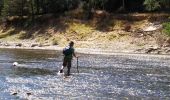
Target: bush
[166,28]
[152,5]
[24,35]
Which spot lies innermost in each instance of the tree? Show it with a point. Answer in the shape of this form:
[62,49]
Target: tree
[165,3]
[32,10]
[123,4]
[152,5]
[5,8]
[1,6]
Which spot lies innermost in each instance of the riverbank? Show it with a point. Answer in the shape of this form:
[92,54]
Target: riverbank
[111,34]
[34,46]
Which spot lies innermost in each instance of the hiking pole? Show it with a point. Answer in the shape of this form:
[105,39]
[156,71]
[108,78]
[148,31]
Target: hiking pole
[77,65]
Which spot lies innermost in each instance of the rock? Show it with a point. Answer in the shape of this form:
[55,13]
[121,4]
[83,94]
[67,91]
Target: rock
[152,50]
[18,44]
[43,45]
[34,45]
[40,45]
[152,27]
[139,50]
[6,44]
[167,43]
[167,50]
[168,40]
[28,94]
[14,93]
[127,28]
[158,52]
[46,45]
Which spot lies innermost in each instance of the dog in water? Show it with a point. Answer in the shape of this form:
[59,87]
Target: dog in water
[15,64]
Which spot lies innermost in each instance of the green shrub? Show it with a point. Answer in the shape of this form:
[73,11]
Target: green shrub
[112,36]
[152,5]
[23,35]
[166,28]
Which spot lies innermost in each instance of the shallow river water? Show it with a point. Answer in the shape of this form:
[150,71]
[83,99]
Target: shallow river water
[100,77]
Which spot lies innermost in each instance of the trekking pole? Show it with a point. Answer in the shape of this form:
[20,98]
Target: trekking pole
[77,65]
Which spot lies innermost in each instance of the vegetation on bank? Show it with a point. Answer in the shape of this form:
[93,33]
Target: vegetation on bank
[166,29]
[104,27]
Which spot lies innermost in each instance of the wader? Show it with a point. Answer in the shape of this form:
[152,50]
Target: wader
[67,62]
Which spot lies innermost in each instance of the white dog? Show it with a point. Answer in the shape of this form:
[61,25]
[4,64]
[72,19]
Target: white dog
[15,64]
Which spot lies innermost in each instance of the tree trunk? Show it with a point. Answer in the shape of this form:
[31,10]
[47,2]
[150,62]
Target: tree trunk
[32,11]
[123,5]
[37,6]
[22,8]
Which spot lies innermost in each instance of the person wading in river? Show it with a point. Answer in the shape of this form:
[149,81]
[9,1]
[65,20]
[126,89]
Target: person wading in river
[68,56]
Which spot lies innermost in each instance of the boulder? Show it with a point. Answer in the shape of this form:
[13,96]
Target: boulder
[152,50]
[34,45]
[18,44]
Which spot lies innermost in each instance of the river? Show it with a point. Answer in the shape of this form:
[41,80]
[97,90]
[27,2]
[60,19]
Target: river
[100,77]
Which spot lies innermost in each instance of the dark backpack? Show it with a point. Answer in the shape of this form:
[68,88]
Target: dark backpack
[67,51]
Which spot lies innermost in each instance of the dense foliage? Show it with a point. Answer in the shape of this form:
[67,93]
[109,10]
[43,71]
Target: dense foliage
[40,7]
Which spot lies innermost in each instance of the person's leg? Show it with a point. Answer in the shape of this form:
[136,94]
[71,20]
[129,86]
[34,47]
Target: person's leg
[68,67]
[64,65]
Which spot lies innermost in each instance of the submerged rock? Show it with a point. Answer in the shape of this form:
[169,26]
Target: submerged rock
[28,94]
[14,93]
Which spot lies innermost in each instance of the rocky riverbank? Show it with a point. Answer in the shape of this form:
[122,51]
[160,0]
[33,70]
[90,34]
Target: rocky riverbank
[147,49]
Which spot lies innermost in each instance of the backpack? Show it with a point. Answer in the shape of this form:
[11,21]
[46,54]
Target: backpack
[67,51]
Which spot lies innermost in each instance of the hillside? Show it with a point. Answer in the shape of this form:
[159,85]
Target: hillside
[135,33]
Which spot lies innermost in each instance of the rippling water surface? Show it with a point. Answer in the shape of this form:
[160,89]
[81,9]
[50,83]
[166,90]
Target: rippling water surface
[101,77]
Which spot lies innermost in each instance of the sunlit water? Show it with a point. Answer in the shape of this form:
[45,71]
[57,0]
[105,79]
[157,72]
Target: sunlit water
[101,77]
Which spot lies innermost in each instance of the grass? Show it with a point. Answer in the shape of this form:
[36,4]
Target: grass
[112,37]
[7,33]
[166,29]
[79,31]
[55,41]
[80,27]
[22,35]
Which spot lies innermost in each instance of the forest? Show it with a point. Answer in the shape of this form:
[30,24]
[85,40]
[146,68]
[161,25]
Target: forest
[32,8]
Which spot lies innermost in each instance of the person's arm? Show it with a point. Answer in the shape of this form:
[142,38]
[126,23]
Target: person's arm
[74,54]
